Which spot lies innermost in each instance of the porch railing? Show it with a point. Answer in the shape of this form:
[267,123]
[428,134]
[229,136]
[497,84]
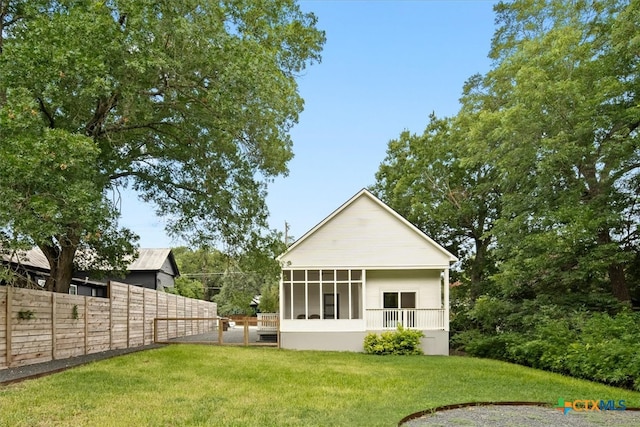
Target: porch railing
[268,322]
[413,318]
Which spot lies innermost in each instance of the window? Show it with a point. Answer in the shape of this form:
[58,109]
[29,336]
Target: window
[399,300]
[400,307]
[73,289]
[390,300]
[407,300]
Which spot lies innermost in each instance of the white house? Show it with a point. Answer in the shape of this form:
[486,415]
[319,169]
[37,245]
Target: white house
[363,269]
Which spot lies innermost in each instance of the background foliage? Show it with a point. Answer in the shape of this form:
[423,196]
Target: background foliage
[535,184]
[236,281]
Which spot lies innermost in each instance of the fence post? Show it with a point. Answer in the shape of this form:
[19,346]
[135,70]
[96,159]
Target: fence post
[220,326]
[86,325]
[155,323]
[128,312]
[53,325]
[144,318]
[110,317]
[155,330]
[245,322]
[9,325]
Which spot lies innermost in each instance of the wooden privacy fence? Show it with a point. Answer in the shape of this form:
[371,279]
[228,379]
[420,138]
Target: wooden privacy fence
[38,326]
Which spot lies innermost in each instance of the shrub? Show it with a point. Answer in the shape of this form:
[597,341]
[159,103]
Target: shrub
[493,346]
[402,341]
[607,350]
[594,346]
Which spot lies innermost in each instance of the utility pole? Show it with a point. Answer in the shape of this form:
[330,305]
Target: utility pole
[286,233]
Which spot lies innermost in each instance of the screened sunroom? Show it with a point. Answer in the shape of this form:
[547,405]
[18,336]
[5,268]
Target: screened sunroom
[322,294]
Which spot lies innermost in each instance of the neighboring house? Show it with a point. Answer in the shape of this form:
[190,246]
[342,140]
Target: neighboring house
[363,269]
[154,269]
[33,266]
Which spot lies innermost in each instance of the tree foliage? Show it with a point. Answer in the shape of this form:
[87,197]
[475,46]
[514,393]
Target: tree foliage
[189,103]
[269,298]
[249,274]
[187,287]
[566,94]
[200,269]
[540,167]
[53,196]
[452,198]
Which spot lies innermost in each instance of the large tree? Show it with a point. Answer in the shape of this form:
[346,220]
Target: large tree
[565,88]
[189,103]
[434,182]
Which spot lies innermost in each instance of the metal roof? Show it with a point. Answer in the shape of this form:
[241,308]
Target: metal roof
[31,258]
[148,259]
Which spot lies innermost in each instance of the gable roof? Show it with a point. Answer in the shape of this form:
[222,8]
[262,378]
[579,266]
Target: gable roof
[356,199]
[152,260]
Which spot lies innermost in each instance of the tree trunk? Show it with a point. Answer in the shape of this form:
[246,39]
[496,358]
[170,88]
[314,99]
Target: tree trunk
[477,268]
[61,263]
[619,286]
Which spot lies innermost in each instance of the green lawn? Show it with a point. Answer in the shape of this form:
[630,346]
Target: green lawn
[236,386]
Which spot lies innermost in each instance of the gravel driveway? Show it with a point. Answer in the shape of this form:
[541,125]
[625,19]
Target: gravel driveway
[529,416]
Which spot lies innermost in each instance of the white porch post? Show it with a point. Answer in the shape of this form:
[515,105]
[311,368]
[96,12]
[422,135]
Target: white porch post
[306,294]
[292,316]
[335,295]
[446,298]
[350,285]
[363,297]
[281,296]
[320,301]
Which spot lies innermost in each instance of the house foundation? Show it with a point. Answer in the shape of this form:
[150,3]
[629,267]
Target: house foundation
[434,343]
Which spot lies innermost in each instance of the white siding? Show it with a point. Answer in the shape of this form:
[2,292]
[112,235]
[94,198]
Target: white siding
[364,234]
[425,283]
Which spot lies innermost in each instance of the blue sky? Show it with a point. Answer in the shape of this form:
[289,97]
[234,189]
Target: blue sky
[386,66]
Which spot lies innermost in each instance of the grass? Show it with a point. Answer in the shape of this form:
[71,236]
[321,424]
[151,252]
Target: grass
[236,386]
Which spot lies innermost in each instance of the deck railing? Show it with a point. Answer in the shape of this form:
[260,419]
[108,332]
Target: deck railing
[413,318]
